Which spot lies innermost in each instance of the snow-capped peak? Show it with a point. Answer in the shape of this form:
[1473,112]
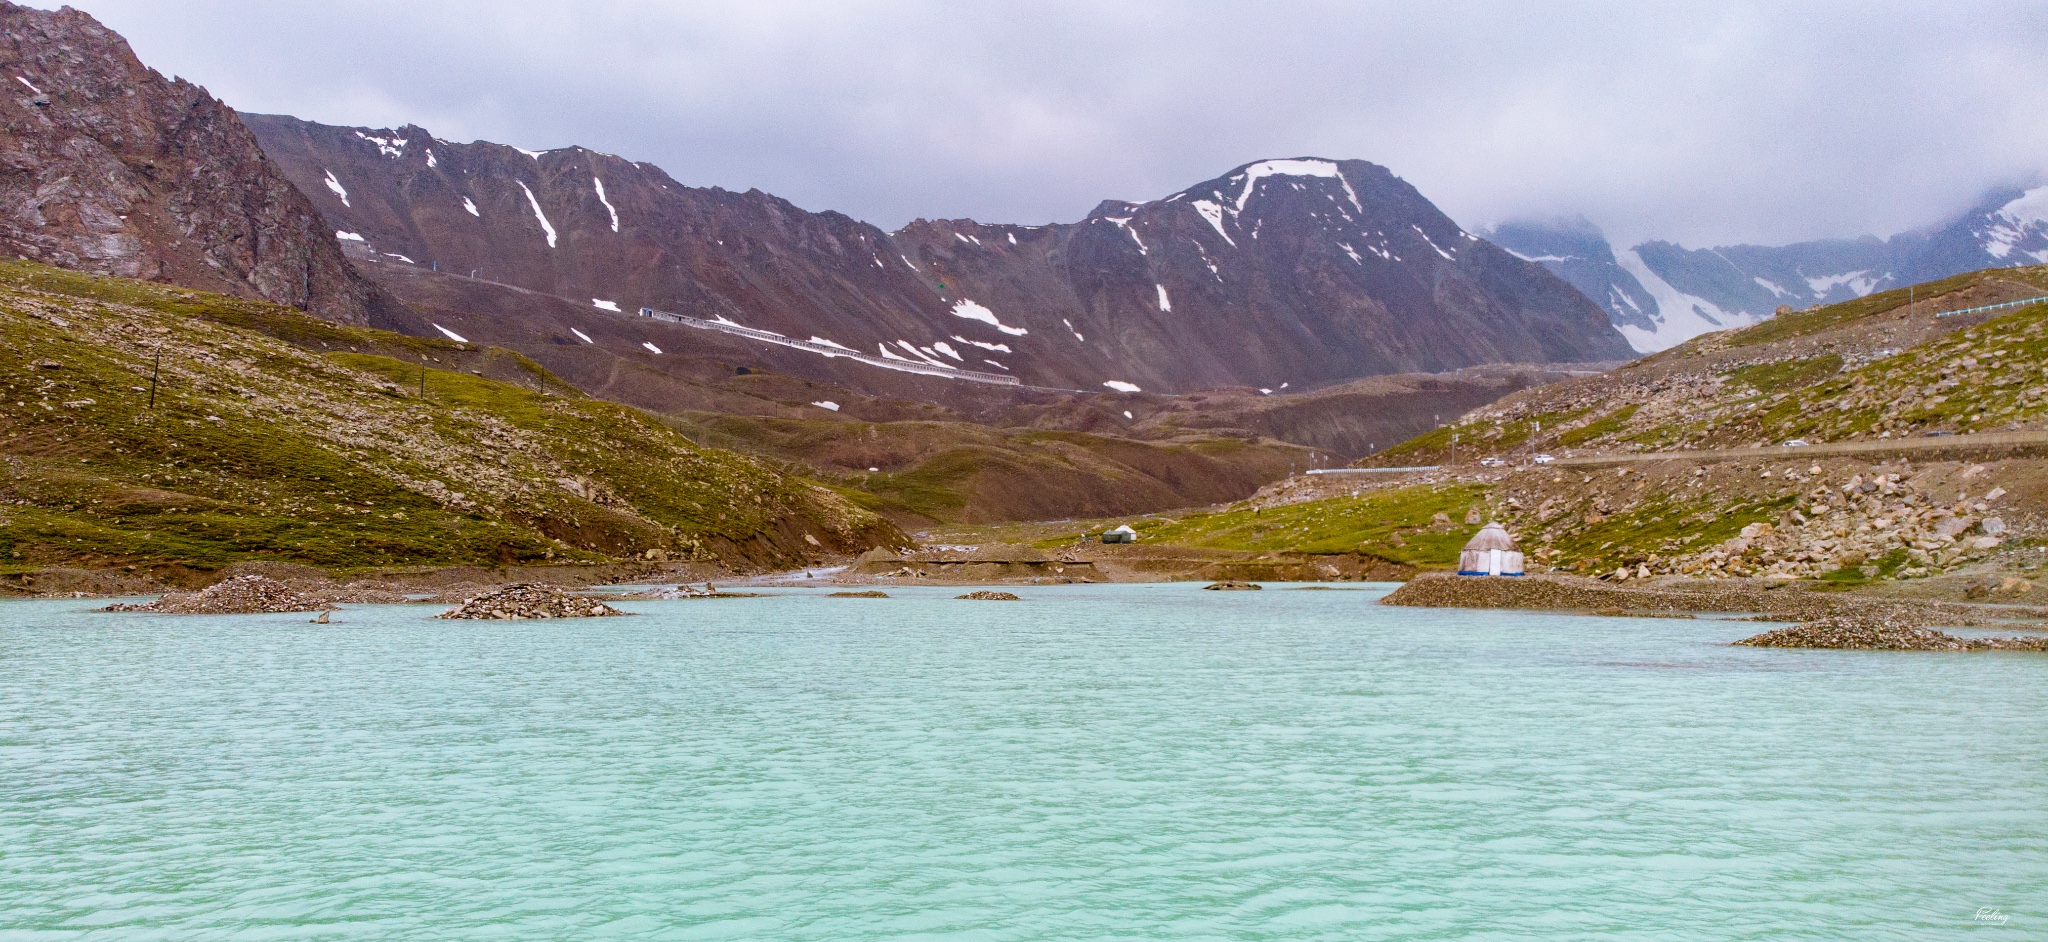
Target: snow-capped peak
[1297,167]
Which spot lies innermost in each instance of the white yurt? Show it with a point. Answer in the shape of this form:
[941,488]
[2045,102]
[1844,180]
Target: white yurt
[1492,552]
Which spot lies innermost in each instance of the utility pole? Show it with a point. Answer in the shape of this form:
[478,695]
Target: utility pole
[423,379]
[154,369]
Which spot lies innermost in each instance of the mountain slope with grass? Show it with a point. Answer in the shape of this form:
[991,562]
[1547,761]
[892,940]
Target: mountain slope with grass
[1676,465]
[1679,463]
[1897,363]
[150,426]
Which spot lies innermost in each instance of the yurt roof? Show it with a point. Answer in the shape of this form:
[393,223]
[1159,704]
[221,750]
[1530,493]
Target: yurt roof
[1493,537]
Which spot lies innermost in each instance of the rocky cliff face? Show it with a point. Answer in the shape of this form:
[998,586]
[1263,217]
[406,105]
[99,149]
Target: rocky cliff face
[1288,272]
[108,167]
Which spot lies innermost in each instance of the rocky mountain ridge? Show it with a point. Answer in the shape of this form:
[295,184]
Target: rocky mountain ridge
[1304,272]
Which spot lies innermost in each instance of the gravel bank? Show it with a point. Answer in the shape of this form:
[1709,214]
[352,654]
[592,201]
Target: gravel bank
[1878,634]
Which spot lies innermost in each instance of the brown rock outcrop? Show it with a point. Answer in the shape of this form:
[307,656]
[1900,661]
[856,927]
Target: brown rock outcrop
[108,167]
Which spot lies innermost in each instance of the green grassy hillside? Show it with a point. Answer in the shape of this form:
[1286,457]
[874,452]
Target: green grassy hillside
[274,435]
[1877,367]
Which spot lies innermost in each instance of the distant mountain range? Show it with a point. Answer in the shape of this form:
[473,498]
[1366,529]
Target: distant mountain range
[1659,294]
[1281,273]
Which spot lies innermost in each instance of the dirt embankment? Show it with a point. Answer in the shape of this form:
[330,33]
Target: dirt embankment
[1787,602]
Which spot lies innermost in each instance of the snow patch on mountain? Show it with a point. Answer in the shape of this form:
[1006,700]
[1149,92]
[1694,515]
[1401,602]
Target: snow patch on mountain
[470,205]
[1165,303]
[1292,168]
[1432,242]
[537,214]
[1680,316]
[1121,386]
[1858,281]
[347,236]
[603,305]
[1212,213]
[976,312]
[336,186]
[1124,223]
[607,203]
[991,347]
[392,147]
[650,347]
[827,404]
[581,335]
[451,335]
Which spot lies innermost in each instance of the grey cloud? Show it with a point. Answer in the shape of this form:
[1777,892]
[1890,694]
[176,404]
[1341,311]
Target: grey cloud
[1705,123]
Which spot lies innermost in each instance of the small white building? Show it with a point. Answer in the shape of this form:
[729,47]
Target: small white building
[1492,552]
[1122,534]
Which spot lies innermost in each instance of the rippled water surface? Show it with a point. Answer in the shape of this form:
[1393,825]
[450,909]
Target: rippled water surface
[1095,762]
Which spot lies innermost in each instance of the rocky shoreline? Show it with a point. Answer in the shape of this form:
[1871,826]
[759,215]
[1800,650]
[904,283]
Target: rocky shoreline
[1553,592]
[1825,620]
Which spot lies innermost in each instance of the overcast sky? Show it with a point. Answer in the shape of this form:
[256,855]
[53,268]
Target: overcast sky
[1706,124]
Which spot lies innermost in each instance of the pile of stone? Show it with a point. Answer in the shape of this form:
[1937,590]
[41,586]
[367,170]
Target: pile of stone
[241,595]
[867,594]
[987,596]
[528,601]
[1865,633]
[1232,585]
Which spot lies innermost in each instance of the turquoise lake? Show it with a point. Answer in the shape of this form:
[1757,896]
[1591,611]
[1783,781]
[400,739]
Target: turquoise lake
[1094,762]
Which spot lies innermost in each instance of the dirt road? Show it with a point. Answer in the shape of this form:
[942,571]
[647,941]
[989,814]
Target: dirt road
[1984,445]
